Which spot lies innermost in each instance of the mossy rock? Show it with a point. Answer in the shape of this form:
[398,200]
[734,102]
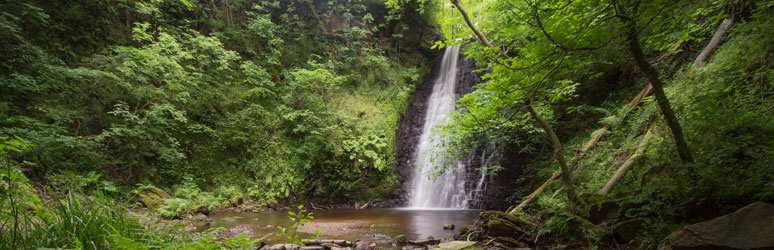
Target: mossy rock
[152,197]
[460,245]
[237,200]
[400,239]
[200,218]
[272,203]
[500,224]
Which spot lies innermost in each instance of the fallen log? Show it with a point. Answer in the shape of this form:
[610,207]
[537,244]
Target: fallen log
[628,163]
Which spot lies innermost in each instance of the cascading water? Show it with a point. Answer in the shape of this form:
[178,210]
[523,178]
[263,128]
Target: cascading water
[449,189]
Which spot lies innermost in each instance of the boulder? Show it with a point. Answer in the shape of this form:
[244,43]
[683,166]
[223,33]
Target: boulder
[152,197]
[448,226]
[365,245]
[272,203]
[202,209]
[201,218]
[751,227]
[460,245]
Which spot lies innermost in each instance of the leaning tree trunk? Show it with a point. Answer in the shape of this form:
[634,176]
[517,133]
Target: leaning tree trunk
[658,92]
[558,149]
[627,164]
[719,34]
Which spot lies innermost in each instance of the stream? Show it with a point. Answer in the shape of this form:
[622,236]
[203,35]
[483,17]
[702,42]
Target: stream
[375,225]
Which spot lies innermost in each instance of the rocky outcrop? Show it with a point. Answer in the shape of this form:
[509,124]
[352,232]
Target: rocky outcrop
[751,227]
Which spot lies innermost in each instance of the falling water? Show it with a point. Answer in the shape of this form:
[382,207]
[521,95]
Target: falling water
[447,190]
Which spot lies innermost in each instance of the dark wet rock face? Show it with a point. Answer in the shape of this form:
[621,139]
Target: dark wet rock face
[407,136]
[751,227]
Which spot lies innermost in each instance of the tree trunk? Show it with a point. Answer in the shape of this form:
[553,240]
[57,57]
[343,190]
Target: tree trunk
[470,24]
[658,92]
[558,149]
[626,165]
[719,34]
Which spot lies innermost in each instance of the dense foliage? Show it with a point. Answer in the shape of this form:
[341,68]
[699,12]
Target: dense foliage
[265,99]
[225,101]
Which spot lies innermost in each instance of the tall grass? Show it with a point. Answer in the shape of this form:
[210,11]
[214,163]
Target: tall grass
[77,222]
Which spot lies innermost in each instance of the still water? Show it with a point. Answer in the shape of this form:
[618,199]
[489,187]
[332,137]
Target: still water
[375,225]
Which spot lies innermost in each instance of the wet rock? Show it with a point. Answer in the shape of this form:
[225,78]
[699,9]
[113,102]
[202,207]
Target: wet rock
[272,203]
[448,226]
[343,243]
[330,246]
[365,245]
[627,230]
[400,239]
[313,248]
[500,224]
[460,245]
[750,227]
[429,241]
[202,209]
[152,197]
[284,247]
[201,218]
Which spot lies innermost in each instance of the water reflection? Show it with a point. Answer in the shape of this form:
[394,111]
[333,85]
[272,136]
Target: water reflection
[377,225]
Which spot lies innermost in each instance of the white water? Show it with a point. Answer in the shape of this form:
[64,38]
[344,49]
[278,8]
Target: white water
[448,190]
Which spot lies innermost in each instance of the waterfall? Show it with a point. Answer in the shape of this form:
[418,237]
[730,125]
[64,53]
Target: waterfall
[449,189]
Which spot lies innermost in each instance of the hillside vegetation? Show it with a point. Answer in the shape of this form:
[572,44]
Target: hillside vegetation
[608,124]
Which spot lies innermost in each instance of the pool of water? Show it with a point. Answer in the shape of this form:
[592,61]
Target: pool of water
[375,225]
